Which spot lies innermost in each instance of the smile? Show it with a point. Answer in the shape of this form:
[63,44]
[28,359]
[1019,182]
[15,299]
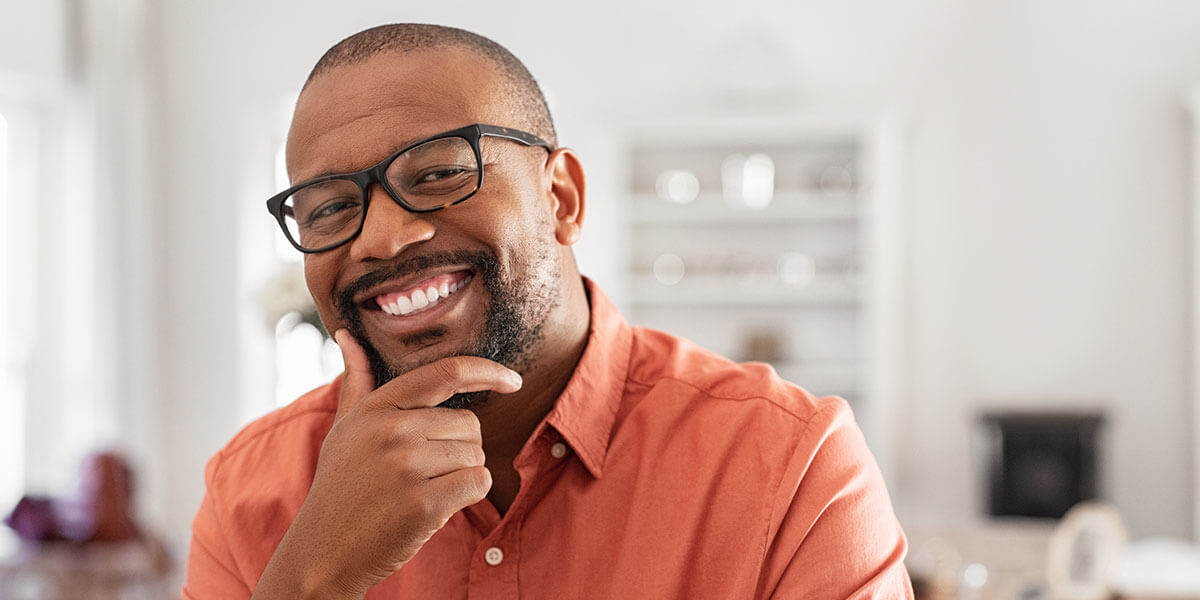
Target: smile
[424,295]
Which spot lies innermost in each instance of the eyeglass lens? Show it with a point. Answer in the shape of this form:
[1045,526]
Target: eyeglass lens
[434,174]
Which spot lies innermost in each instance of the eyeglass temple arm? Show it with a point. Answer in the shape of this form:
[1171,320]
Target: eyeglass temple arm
[515,135]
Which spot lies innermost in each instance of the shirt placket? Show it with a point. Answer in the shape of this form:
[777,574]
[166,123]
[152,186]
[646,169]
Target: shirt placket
[497,557]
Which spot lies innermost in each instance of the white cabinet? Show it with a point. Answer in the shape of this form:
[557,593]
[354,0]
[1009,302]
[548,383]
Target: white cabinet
[778,240]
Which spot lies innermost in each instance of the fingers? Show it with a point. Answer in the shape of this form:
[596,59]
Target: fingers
[459,489]
[424,386]
[358,380]
[437,424]
[445,457]
[431,384]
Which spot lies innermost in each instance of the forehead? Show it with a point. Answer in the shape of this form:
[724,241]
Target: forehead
[352,116]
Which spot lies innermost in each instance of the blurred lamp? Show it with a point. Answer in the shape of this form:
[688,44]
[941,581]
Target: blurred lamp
[748,181]
[678,186]
[669,269]
[836,181]
[797,269]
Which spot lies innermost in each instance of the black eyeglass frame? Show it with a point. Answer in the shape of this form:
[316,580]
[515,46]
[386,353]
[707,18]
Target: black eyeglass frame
[378,174]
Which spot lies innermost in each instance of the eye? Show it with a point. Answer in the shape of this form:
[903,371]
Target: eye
[440,173]
[332,208]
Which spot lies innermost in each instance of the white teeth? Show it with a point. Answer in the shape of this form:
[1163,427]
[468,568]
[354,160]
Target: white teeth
[403,306]
[419,300]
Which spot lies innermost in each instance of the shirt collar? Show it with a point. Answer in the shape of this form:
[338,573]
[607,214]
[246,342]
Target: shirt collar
[587,408]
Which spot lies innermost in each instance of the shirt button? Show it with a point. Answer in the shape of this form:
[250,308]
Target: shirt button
[558,450]
[493,556]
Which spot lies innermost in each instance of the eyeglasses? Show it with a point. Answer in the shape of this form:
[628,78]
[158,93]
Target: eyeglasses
[440,171]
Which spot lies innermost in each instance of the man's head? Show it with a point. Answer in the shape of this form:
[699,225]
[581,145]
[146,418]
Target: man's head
[498,263]
[520,88]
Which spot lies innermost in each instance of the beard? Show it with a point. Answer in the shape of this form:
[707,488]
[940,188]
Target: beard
[513,325]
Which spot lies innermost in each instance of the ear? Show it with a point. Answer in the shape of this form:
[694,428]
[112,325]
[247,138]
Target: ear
[566,190]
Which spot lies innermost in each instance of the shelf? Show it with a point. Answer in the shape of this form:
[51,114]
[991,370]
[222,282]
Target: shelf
[786,209]
[717,292]
[834,222]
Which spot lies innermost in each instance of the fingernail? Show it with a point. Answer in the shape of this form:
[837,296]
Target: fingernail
[337,336]
[515,379]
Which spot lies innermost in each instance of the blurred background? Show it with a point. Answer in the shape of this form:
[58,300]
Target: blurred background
[972,220]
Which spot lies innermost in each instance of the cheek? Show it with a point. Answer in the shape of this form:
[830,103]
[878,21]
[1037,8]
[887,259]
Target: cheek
[521,236]
[511,218]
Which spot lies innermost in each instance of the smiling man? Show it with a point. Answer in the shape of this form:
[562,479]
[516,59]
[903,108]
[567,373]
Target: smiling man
[500,431]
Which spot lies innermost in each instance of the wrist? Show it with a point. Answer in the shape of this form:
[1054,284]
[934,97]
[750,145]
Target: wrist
[295,577]
[296,586]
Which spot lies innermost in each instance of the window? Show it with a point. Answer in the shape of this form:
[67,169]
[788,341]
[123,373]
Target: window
[12,393]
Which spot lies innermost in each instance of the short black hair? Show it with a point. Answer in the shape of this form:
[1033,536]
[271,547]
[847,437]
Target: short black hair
[521,88]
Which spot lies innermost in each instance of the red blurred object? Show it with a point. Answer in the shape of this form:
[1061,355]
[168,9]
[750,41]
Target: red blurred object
[87,545]
[102,511]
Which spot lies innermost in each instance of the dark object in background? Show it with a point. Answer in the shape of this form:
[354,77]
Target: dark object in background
[102,510]
[34,519]
[1040,464]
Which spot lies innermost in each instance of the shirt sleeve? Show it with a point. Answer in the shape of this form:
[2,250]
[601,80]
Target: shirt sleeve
[835,535]
[211,570]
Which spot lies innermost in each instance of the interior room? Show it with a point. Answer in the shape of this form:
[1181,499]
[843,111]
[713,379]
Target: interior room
[973,221]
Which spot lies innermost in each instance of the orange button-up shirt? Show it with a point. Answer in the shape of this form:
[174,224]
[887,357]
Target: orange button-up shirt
[663,471]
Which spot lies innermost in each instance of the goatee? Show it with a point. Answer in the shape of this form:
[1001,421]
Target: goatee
[508,331]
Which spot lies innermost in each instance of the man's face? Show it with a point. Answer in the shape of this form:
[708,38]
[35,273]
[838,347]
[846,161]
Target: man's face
[492,261]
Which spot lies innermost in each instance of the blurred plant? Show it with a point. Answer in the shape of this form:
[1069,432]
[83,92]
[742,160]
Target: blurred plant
[286,293]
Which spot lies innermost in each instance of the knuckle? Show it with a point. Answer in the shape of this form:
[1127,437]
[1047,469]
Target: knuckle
[451,370]
[404,462]
[476,482]
[467,420]
[425,508]
[467,454]
[404,432]
[452,452]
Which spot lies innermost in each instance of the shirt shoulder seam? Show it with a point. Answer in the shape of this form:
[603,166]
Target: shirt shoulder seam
[806,419]
[247,437]
[775,500]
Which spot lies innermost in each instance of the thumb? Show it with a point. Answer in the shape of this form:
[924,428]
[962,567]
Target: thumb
[358,381]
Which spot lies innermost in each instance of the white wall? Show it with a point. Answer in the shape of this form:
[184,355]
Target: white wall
[1046,168]
[33,37]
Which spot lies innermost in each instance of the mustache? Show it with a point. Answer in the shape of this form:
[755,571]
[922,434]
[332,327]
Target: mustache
[484,264]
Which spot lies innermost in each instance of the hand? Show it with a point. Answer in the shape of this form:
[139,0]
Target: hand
[392,471]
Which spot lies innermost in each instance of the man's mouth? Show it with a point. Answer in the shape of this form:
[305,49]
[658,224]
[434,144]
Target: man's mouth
[422,296]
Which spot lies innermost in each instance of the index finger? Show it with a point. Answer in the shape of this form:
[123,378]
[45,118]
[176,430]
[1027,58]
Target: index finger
[431,384]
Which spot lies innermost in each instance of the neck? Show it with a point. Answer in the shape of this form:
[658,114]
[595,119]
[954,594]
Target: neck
[507,421]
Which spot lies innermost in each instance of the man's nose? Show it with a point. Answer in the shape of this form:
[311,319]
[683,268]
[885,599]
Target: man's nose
[388,228]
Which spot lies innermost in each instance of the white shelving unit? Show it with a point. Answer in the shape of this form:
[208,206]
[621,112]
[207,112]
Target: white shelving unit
[786,208]
[811,283]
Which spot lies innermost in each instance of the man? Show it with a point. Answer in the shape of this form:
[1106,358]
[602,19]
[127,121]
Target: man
[500,431]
